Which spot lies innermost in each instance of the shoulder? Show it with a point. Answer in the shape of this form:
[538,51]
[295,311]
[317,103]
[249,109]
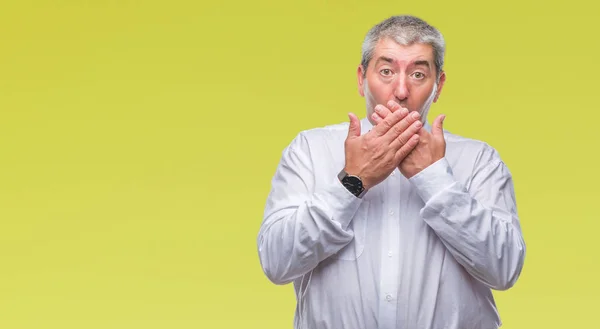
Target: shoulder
[316,148]
[329,131]
[469,149]
[318,137]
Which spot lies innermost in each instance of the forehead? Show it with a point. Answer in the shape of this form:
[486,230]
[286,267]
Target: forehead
[403,54]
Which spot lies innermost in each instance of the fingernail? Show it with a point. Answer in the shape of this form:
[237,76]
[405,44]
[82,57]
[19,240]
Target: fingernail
[404,112]
[415,115]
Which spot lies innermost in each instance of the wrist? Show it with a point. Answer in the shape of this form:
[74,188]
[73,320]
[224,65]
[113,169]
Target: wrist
[367,183]
[354,183]
[432,180]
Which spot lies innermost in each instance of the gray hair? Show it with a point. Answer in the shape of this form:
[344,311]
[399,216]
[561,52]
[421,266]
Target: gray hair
[405,30]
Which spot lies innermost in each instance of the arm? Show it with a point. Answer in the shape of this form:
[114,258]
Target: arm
[302,225]
[479,226]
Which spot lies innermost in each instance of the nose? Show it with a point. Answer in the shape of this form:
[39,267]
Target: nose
[401,89]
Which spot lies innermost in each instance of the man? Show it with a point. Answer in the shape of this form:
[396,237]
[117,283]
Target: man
[390,222]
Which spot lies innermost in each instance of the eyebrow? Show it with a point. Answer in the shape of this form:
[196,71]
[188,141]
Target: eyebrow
[391,61]
[385,59]
[421,62]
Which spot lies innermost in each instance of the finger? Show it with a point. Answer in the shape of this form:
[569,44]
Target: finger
[354,127]
[406,135]
[393,106]
[382,111]
[376,118]
[405,150]
[400,127]
[437,129]
[387,123]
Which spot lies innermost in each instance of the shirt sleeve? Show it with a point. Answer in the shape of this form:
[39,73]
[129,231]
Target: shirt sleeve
[302,225]
[479,226]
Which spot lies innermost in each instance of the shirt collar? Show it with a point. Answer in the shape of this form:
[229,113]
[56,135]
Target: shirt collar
[365,126]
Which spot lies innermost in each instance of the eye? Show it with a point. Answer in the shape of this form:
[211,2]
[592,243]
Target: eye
[418,75]
[386,72]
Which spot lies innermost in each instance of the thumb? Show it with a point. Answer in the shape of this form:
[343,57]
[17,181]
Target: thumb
[354,128]
[437,128]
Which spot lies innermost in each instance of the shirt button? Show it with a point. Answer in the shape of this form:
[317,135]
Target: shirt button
[391,213]
[389,254]
[393,173]
[388,298]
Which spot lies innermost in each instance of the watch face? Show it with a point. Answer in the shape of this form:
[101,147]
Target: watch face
[353,184]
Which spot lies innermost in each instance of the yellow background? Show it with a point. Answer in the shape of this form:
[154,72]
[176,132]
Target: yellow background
[138,140]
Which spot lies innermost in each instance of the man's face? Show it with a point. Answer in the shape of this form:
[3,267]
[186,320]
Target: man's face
[405,74]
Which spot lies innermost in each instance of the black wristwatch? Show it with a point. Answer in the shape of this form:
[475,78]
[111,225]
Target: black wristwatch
[352,183]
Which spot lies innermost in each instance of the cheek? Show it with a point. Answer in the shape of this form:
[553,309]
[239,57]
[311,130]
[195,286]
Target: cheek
[422,96]
[382,93]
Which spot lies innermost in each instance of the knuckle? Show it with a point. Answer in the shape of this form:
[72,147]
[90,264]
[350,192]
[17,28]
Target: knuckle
[402,127]
[385,124]
[398,128]
[402,140]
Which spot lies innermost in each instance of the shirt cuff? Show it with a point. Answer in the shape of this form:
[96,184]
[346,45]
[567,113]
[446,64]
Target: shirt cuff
[342,203]
[433,179]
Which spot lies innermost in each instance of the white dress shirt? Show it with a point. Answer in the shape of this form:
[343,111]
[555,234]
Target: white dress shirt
[419,253]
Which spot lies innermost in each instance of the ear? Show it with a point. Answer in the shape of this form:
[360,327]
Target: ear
[359,76]
[440,86]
